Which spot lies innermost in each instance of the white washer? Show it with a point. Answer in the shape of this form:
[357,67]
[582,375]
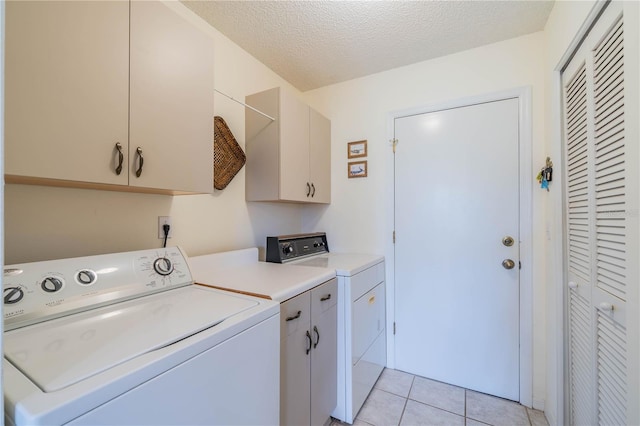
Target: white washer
[361,312]
[127,338]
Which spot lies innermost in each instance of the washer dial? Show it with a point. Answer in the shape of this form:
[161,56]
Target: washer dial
[51,284]
[86,277]
[12,295]
[163,266]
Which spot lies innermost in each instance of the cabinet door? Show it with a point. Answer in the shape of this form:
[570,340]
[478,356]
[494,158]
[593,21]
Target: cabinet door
[324,356]
[294,149]
[66,89]
[295,361]
[320,157]
[171,117]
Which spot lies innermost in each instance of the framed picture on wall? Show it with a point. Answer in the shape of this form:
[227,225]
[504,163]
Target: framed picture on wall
[357,169]
[357,149]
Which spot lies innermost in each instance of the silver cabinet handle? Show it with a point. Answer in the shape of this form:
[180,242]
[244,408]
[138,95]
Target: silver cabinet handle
[120,158]
[140,163]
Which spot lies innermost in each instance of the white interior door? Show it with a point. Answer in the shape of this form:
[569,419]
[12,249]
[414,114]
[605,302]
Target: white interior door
[456,198]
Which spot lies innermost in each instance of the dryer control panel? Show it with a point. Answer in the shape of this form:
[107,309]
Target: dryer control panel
[39,291]
[291,247]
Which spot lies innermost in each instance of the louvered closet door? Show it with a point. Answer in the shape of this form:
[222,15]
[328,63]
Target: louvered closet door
[601,193]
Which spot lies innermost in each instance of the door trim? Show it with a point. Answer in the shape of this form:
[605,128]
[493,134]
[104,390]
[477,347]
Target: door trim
[523,94]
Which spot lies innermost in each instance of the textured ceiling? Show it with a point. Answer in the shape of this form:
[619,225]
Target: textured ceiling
[316,43]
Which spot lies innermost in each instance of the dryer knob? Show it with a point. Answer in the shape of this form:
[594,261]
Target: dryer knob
[288,249]
[13,295]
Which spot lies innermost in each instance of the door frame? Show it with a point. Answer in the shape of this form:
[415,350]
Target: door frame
[523,94]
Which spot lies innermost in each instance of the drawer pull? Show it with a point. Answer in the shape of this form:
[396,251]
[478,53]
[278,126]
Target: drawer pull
[313,190]
[309,341]
[372,299]
[308,189]
[325,298]
[296,316]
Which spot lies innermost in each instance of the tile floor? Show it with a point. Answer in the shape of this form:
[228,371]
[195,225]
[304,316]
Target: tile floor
[400,398]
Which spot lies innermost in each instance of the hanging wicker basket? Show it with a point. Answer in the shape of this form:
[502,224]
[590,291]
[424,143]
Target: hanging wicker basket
[228,156]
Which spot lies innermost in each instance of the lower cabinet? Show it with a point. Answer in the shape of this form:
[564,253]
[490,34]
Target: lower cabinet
[308,356]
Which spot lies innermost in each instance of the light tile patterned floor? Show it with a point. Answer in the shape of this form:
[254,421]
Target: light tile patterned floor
[403,399]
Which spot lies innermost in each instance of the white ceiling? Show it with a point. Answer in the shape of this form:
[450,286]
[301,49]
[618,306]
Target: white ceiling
[315,43]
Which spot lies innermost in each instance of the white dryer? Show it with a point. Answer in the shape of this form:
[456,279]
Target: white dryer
[127,338]
[361,312]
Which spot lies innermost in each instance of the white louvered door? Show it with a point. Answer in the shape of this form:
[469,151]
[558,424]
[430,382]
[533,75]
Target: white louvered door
[601,198]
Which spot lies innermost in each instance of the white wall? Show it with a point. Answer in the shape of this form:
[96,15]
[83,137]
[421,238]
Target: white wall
[47,223]
[360,216]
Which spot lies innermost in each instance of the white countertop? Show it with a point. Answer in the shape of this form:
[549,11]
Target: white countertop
[268,280]
[345,264]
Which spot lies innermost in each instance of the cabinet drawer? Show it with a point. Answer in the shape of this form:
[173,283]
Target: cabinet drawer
[295,314]
[364,281]
[324,297]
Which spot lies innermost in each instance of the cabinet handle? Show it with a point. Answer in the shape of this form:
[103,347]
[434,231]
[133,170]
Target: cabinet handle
[296,316]
[315,330]
[308,189]
[313,192]
[141,163]
[120,158]
[308,341]
[327,297]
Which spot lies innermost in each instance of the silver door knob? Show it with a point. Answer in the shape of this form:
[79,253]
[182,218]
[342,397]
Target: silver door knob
[508,241]
[508,264]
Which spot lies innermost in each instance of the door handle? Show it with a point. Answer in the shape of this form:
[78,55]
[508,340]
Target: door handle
[508,264]
[508,241]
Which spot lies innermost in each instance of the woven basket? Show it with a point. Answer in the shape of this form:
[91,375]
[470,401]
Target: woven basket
[228,157]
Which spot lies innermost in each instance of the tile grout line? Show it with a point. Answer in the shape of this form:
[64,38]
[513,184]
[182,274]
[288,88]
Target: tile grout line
[528,416]
[406,400]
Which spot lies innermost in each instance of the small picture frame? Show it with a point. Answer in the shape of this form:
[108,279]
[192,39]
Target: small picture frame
[357,169]
[357,149]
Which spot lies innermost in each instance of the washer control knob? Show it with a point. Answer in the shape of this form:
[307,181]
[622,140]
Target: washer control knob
[163,266]
[287,249]
[12,295]
[51,284]
[86,277]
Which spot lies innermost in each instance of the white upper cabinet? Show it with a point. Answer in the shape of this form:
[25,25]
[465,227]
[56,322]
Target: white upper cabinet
[288,159]
[88,80]
[66,89]
[171,116]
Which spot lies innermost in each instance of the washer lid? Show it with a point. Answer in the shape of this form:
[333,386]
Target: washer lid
[59,353]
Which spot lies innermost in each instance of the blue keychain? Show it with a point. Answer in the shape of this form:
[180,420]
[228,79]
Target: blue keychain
[545,183]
